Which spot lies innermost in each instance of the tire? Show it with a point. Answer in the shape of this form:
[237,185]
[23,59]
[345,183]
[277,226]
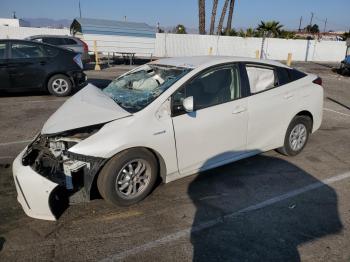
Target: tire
[115,179]
[59,85]
[301,126]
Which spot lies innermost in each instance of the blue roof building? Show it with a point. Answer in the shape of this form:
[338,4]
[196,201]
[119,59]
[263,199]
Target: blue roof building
[110,27]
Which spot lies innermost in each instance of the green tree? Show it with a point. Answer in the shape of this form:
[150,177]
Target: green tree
[250,32]
[314,29]
[270,28]
[287,34]
[180,29]
[346,35]
[230,32]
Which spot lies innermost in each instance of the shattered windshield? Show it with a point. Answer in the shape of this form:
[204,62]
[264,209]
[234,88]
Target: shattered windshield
[137,89]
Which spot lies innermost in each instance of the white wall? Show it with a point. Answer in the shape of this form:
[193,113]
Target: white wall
[168,45]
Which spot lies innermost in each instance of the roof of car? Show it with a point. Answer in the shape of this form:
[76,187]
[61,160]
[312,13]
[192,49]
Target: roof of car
[56,36]
[197,61]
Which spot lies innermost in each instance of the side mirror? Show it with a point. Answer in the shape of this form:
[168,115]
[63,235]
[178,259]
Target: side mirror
[188,104]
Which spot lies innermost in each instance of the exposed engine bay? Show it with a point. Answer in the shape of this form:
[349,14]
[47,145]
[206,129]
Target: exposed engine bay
[48,155]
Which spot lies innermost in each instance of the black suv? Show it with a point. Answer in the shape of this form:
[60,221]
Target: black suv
[30,65]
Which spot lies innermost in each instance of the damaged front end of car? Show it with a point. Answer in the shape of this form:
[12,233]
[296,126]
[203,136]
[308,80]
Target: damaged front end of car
[49,156]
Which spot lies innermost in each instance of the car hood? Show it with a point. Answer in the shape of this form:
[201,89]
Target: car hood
[88,107]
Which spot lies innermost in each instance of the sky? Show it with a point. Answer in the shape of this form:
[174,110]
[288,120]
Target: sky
[248,13]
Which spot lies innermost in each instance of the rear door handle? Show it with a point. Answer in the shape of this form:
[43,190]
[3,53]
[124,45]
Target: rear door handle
[42,62]
[239,109]
[288,96]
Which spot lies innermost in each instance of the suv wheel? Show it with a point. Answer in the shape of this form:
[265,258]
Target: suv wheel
[128,177]
[59,85]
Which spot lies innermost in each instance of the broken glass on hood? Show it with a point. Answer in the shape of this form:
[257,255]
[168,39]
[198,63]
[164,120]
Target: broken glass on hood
[138,88]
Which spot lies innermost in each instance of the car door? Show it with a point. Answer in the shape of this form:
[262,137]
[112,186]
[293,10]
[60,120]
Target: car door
[215,131]
[27,65]
[4,76]
[270,106]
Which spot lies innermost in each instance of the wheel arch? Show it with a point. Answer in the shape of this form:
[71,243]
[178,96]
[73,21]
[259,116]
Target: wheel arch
[308,114]
[162,171]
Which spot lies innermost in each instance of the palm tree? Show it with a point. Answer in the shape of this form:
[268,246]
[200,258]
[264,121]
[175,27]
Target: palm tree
[270,28]
[223,14]
[213,16]
[230,14]
[201,15]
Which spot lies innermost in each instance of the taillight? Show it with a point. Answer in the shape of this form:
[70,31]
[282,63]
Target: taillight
[318,81]
[85,46]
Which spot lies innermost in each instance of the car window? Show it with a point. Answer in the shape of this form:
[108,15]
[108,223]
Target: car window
[50,51]
[260,78]
[26,50]
[2,50]
[141,86]
[283,76]
[54,40]
[69,41]
[295,74]
[211,88]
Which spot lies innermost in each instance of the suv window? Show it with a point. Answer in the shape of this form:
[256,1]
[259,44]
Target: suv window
[54,40]
[2,50]
[26,50]
[260,78]
[50,51]
[70,41]
[213,87]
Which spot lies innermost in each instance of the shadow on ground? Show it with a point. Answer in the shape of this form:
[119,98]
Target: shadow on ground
[272,233]
[2,242]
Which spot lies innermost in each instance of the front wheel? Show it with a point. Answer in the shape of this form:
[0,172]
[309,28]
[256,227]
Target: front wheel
[296,136]
[128,177]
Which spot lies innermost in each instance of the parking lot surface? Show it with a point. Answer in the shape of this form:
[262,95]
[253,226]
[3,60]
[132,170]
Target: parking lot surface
[264,208]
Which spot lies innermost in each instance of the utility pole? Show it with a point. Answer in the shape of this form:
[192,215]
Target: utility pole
[79,9]
[312,17]
[325,26]
[301,20]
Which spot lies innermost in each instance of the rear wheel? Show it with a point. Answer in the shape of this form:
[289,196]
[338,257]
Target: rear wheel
[59,85]
[128,177]
[296,136]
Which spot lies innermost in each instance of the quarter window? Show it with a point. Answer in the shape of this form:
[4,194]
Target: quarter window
[211,88]
[26,50]
[260,78]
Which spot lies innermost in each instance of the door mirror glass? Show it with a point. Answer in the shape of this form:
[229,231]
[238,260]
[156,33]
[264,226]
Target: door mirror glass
[188,104]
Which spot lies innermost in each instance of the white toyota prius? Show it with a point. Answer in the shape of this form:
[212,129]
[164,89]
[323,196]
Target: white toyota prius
[164,120]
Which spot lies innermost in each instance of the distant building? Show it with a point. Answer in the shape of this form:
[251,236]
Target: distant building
[111,27]
[330,36]
[14,22]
